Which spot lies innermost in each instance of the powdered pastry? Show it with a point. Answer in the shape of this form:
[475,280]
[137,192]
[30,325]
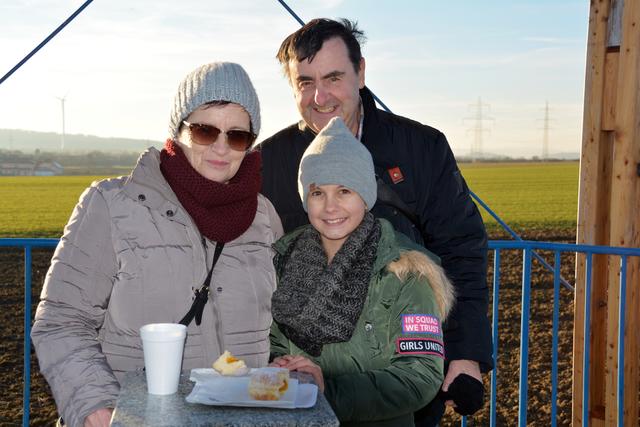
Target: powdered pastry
[268,383]
[227,364]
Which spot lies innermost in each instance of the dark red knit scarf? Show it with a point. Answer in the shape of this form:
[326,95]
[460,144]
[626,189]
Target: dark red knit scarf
[222,212]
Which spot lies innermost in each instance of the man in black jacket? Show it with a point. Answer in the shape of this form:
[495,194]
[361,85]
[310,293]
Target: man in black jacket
[426,196]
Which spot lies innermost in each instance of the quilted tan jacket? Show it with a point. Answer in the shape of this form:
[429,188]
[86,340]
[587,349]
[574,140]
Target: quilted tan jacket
[131,255]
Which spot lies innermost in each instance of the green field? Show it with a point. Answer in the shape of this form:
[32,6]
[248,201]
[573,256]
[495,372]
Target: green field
[38,206]
[523,194]
[527,194]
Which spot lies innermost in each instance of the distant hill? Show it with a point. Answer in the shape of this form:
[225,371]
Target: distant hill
[29,141]
[492,157]
[565,156]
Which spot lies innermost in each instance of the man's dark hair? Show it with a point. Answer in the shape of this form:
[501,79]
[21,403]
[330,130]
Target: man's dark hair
[307,41]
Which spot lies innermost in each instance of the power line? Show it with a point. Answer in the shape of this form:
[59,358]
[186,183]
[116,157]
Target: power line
[477,150]
[546,120]
[545,133]
[45,41]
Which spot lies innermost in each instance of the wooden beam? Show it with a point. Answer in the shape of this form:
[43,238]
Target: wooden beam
[599,224]
[592,205]
[625,221]
[599,279]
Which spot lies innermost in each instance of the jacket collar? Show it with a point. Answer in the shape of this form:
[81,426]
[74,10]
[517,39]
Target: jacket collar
[371,126]
[306,130]
[388,249]
[147,185]
[377,136]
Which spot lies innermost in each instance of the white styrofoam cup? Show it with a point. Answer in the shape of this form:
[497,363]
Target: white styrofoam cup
[163,344]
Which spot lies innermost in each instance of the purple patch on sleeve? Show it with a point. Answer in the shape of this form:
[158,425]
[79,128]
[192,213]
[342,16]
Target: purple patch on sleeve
[420,324]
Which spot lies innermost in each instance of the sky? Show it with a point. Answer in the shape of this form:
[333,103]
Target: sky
[119,62]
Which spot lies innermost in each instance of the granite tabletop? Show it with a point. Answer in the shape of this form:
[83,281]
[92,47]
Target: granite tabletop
[135,407]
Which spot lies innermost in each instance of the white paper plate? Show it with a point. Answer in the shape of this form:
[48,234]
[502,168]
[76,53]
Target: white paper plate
[214,389]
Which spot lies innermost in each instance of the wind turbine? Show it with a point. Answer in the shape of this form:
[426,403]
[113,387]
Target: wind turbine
[62,100]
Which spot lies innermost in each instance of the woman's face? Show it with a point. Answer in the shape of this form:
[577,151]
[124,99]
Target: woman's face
[216,162]
[334,211]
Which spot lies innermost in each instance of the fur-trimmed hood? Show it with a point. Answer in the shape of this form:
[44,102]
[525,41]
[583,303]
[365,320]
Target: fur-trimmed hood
[404,258]
[413,262]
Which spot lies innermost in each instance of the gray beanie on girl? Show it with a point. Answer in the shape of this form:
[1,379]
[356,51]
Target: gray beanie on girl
[336,157]
[218,81]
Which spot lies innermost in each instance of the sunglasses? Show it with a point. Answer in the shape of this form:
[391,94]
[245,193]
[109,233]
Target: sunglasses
[238,140]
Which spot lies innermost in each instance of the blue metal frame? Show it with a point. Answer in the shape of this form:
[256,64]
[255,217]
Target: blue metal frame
[554,344]
[563,247]
[514,235]
[528,248]
[495,335]
[27,245]
[558,248]
[621,326]
[587,340]
[524,338]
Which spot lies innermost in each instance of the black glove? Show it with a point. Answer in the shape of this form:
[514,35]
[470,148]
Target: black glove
[466,392]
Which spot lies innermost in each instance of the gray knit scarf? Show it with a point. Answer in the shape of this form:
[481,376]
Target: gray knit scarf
[316,303]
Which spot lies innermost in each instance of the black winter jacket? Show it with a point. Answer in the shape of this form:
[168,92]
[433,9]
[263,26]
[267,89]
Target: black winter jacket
[432,186]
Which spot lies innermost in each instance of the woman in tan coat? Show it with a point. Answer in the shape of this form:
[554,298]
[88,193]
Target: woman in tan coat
[185,238]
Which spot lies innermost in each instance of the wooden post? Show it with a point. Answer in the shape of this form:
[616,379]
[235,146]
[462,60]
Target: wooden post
[608,210]
[593,211]
[625,224]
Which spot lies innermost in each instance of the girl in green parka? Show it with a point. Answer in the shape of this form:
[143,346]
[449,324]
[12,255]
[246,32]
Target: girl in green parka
[358,305]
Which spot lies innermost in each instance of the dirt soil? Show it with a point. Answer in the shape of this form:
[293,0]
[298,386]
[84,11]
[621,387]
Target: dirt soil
[43,410]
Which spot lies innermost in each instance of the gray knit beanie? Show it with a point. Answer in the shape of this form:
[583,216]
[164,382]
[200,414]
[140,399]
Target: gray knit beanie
[336,157]
[218,81]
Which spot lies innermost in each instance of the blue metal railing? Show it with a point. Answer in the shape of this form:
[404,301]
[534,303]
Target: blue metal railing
[496,246]
[515,235]
[554,344]
[27,245]
[557,248]
[621,325]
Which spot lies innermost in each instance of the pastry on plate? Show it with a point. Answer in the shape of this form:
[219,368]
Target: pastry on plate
[227,364]
[268,383]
